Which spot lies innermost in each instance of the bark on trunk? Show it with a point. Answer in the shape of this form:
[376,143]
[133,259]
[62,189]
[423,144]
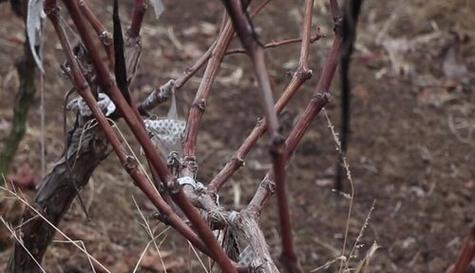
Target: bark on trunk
[58,189]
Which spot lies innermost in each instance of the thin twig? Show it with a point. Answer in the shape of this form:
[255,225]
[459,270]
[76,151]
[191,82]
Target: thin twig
[128,162]
[466,255]
[274,44]
[152,153]
[108,84]
[245,31]
[137,18]
[302,74]
[157,96]
[104,35]
[335,10]
[199,103]
[246,34]
[319,100]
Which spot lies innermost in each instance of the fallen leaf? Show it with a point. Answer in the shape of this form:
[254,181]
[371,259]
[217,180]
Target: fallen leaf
[158,7]
[120,266]
[208,28]
[435,96]
[192,50]
[361,92]
[34,29]
[190,31]
[452,64]
[151,261]
[81,232]
[324,182]
[397,50]
[234,78]
[373,60]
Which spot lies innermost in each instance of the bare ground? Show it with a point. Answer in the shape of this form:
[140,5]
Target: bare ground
[411,146]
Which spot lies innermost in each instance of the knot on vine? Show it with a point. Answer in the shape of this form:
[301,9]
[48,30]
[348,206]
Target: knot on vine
[165,91]
[322,97]
[260,122]
[106,38]
[51,10]
[338,26]
[162,218]
[173,162]
[268,184]
[173,185]
[201,105]
[277,145]
[191,165]
[239,161]
[130,164]
[304,73]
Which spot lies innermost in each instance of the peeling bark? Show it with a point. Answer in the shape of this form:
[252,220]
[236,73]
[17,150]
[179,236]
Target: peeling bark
[58,189]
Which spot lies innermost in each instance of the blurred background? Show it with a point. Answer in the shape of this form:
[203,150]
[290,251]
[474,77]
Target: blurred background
[411,148]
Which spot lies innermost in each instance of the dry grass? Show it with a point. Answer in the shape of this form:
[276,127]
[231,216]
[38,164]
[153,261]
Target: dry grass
[13,193]
[344,259]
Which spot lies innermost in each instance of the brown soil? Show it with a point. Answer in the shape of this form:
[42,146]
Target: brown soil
[411,148]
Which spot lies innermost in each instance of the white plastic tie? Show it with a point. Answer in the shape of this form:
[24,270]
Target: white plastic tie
[104,103]
[186,180]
